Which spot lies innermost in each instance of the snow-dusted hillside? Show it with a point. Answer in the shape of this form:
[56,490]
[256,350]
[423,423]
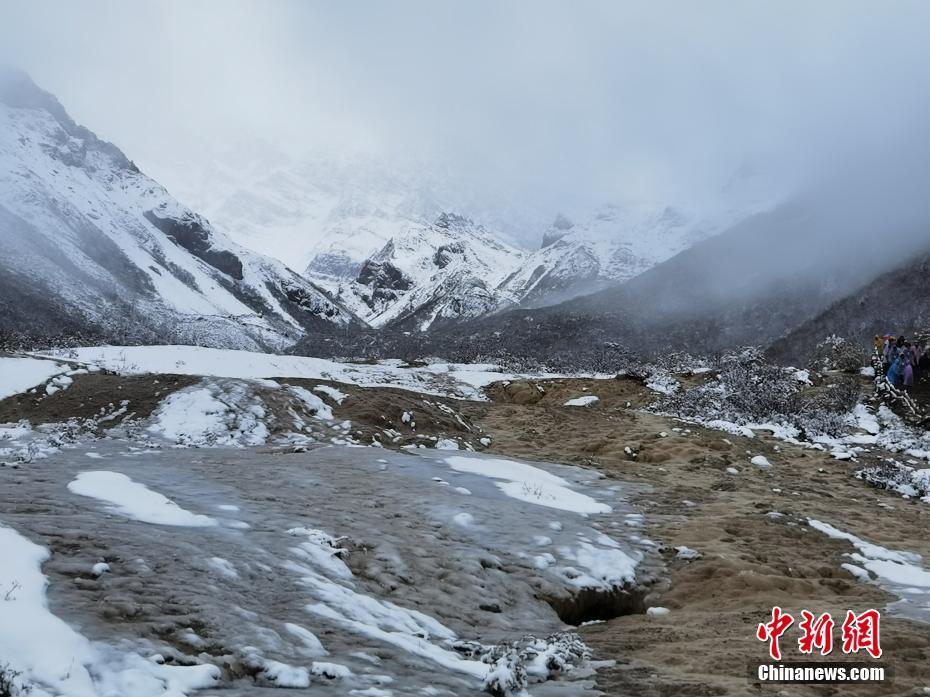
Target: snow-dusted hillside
[445,270]
[91,243]
[615,245]
[454,269]
[327,212]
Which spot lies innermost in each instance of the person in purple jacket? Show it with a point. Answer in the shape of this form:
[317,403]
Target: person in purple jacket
[907,360]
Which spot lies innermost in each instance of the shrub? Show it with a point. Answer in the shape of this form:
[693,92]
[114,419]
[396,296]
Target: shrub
[748,389]
[837,353]
[10,684]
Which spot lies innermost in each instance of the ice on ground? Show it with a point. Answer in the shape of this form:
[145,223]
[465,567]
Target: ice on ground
[872,551]
[322,549]
[899,572]
[605,567]
[866,420]
[310,644]
[663,383]
[134,500]
[463,519]
[223,567]
[761,461]
[452,379]
[530,484]
[57,384]
[338,396]
[585,401]
[21,374]
[213,414]
[53,659]
[277,674]
[314,404]
[657,611]
[728,427]
[382,620]
[12,432]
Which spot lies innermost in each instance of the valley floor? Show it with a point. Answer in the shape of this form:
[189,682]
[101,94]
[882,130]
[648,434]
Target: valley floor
[717,540]
[750,529]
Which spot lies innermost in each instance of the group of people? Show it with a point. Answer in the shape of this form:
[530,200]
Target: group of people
[902,358]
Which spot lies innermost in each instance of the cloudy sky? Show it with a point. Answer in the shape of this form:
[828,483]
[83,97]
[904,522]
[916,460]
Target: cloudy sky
[561,103]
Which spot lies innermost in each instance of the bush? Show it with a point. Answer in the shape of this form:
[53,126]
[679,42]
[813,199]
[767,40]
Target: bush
[747,389]
[837,353]
[10,684]
[824,409]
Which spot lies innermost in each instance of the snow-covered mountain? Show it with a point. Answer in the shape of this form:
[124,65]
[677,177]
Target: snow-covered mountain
[329,212]
[453,269]
[615,245]
[88,242]
[428,273]
[337,217]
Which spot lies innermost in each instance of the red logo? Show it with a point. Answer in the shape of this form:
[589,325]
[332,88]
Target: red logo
[818,633]
[771,631]
[860,632]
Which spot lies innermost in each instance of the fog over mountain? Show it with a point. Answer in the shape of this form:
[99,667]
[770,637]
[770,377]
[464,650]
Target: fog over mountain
[591,145]
[549,107]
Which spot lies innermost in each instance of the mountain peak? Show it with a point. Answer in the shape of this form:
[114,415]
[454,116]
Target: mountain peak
[560,227]
[446,220]
[18,91]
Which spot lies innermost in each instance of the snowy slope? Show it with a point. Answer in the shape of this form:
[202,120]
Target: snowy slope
[90,242]
[427,273]
[615,245]
[327,212]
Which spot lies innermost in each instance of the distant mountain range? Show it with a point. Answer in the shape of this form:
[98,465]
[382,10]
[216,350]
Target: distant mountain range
[92,247]
[90,244]
[786,279]
[367,230]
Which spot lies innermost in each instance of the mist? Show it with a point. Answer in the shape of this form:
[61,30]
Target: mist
[554,106]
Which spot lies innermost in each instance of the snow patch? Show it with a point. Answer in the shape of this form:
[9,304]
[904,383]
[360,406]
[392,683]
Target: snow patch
[134,500]
[531,484]
[585,401]
[54,659]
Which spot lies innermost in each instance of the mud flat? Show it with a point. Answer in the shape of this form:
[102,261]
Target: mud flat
[333,570]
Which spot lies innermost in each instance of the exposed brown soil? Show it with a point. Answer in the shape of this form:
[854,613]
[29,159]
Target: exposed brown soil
[750,561]
[375,410]
[92,395]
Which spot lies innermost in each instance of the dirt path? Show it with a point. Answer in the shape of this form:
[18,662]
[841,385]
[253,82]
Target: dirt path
[750,560]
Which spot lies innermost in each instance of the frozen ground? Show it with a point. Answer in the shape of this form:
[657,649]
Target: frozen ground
[452,379]
[336,571]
